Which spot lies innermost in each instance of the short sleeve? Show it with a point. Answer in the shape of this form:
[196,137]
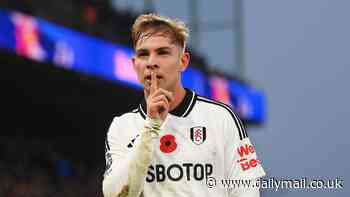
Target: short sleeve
[241,162]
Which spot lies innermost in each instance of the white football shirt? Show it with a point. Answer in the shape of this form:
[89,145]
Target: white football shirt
[200,138]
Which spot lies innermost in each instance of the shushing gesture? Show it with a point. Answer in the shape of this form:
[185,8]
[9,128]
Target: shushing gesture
[158,100]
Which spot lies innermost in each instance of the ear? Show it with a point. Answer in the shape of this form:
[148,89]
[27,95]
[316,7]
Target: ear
[185,60]
[133,63]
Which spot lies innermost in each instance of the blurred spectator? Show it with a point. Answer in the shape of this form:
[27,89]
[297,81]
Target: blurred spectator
[33,168]
[97,18]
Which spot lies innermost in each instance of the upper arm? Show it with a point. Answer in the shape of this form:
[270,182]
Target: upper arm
[117,158]
[240,156]
[115,141]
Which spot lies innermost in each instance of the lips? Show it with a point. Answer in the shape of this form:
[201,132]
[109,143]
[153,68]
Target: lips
[148,77]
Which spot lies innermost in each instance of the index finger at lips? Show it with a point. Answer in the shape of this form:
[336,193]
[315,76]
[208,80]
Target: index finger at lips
[154,85]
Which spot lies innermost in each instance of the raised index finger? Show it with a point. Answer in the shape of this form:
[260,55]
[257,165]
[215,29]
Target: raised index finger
[154,83]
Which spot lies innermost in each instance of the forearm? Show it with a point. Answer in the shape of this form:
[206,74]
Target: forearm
[139,167]
[246,191]
[128,179]
[117,178]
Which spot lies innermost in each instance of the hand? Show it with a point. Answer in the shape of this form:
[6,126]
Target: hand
[158,100]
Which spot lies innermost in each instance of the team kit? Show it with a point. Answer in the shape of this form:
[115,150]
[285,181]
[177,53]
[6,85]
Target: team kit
[192,146]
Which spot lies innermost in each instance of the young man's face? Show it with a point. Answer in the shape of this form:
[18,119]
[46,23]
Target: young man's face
[158,54]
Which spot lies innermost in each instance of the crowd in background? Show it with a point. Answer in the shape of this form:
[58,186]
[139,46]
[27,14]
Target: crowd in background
[33,168]
[98,18]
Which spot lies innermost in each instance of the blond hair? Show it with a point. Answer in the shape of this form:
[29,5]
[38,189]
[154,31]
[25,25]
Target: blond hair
[149,24]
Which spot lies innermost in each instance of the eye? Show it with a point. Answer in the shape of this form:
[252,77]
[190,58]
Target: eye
[163,52]
[142,54]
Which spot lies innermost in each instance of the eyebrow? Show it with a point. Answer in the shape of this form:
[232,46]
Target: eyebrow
[157,49]
[163,48]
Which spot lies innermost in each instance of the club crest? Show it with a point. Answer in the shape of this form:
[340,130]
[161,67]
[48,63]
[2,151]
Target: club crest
[198,135]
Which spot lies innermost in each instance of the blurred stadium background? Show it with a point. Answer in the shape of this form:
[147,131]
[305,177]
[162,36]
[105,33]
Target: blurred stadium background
[66,73]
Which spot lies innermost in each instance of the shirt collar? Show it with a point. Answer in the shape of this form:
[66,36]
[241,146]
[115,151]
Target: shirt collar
[182,110]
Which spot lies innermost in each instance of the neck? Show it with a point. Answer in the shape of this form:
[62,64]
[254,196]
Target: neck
[179,95]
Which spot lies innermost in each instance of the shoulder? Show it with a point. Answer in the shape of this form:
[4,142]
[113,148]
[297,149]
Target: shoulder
[134,113]
[125,119]
[215,106]
[123,126]
[222,111]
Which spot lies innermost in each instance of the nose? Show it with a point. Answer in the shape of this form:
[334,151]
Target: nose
[152,66]
[152,63]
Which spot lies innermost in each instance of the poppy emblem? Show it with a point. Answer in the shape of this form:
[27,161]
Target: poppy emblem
[168,143]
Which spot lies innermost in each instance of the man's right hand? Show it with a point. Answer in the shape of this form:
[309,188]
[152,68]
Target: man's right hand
[158,100]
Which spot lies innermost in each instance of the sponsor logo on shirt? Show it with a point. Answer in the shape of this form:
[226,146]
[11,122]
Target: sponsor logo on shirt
[131,144]
[245,151]
[198,135]
[176,172]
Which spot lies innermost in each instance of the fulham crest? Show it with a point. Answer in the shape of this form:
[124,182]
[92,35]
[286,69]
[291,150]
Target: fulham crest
[198,135]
